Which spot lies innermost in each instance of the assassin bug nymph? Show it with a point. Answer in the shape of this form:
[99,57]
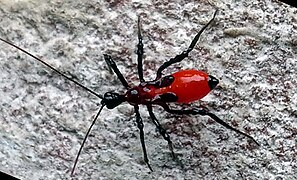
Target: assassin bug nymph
[184,86]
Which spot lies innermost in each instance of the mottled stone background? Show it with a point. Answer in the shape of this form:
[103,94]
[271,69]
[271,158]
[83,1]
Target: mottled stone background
[251,48]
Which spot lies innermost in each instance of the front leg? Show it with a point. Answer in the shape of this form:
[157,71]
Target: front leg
[140,127]
[112,65]
[205,112]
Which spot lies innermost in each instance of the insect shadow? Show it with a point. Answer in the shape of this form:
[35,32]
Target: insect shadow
[184,86]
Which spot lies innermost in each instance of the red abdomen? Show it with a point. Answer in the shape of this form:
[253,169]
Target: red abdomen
[188,86]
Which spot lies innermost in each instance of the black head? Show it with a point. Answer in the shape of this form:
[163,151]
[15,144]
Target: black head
[212,82]
[112,100]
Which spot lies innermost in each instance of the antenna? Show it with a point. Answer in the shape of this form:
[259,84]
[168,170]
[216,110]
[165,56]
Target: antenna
[85,138]
[52,68]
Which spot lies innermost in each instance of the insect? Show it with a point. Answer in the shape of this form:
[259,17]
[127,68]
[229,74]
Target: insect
[184,86]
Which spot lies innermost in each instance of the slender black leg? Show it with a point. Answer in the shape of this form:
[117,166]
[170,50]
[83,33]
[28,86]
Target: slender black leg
[205,112]
[140,127]
[139,52]
[111,64]
[185,53]
[161,130]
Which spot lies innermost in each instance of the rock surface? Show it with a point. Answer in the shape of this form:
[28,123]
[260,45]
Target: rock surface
[251,48]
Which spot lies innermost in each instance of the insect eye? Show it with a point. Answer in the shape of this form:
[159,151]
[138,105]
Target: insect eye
[109,95]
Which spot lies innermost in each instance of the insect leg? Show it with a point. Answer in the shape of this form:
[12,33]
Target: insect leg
[185,53]
[161,130]
[111,64]
[205,112]
[139,52]
[140,127]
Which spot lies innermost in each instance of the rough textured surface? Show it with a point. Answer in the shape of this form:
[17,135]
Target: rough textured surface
[251,48]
